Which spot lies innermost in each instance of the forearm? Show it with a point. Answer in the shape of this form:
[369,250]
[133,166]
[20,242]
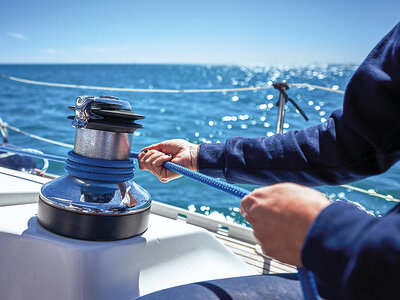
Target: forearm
[323,154]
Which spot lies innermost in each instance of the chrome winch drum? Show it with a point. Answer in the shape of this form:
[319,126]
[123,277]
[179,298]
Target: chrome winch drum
[97,208]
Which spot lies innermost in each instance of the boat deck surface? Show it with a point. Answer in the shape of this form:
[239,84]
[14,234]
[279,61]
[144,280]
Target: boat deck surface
[251,254]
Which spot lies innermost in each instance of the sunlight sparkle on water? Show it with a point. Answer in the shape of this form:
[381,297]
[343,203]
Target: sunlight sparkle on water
[229,118]
[262,106]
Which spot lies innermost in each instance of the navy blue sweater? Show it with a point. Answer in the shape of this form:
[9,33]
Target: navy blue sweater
[353,254]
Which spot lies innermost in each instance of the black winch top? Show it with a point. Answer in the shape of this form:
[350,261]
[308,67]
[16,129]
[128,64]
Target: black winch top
[105,113]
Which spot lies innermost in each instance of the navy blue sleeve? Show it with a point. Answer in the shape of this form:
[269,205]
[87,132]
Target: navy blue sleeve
[355,255]
[361,140]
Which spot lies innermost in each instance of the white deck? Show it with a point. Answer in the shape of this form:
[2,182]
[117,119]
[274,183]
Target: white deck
[18,187]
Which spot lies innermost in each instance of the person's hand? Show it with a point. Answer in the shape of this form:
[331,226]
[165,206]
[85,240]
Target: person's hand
[180,152]
[281,216]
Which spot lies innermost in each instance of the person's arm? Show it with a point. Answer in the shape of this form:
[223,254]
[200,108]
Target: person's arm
[360,141]
[355,255]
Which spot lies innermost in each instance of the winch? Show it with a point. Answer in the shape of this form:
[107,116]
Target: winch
[96,199]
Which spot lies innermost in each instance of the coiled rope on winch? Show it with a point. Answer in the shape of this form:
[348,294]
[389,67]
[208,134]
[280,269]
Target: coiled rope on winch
[86,167]
[120,171]
[99,169]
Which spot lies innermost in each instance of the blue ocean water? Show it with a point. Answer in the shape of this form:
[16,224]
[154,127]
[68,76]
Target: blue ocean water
[198,118]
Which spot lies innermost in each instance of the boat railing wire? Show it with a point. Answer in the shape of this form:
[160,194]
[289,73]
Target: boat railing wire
[335,89]
[117,89]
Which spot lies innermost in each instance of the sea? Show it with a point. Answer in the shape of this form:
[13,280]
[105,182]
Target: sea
[195,117]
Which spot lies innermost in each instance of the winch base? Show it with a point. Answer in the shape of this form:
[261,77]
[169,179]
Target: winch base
[90,226]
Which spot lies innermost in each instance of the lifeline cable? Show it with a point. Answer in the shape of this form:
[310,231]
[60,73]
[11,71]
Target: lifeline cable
[104,88]
[6,125]
[89,169]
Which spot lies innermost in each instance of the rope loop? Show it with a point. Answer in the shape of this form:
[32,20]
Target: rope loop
[99,169]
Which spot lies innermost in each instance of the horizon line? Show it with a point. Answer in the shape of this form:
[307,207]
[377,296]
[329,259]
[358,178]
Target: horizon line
[183,63]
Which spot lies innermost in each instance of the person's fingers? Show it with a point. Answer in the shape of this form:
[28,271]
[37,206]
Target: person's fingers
[245,205]
[151,155]
[152,160]
[168,146]
[164,145]
[147,157]
[140,157]
[157,147]
[159,161]
[153,168]
[249,203]
[163,174]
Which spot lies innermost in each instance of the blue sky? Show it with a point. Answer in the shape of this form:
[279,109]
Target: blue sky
[231,32]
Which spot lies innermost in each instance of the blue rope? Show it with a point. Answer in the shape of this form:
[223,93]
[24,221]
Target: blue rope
[99,169]
[207,180]
[120,171]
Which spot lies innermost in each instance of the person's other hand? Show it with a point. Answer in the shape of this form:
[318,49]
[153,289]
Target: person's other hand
[177,151]
[281,216]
